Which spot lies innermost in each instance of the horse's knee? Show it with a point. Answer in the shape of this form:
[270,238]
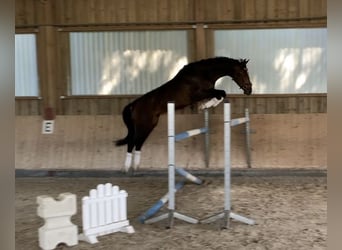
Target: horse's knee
[220,93]
[213,102]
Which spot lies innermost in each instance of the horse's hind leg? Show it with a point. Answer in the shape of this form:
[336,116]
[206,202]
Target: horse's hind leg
[139,142]
[130,146]
[141,135]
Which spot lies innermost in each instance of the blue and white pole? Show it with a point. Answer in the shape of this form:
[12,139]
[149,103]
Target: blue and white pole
[188,176]
[159,204]
[189,133]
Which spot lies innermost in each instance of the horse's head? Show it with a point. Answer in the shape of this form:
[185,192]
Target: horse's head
[241,77]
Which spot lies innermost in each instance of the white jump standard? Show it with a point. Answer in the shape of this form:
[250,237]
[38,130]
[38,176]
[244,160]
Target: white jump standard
[171,163]
[172,138]
[172,169]
[227,214]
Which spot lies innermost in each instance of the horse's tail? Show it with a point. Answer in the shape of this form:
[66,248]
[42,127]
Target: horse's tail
[127,118]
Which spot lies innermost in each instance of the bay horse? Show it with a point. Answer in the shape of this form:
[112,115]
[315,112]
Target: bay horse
[195,82]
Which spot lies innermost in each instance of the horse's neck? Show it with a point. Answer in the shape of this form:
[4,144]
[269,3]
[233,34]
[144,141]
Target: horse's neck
[219,71]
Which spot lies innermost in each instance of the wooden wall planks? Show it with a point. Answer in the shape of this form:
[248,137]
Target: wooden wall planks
[257,104]
[27,106]
[85,142]
[76,12]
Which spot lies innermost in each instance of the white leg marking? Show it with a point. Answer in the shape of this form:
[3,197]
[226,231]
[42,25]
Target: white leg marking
[136,159]
[217,102]
[202,105]
[128,161]
[213,102]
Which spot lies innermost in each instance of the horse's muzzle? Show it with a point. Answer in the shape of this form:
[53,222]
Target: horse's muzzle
[247,91]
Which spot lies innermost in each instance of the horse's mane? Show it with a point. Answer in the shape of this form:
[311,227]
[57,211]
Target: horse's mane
[211,61]
[206,64]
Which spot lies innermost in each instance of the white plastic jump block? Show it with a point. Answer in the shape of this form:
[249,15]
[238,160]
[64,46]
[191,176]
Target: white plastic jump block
[57,213]
[104,211]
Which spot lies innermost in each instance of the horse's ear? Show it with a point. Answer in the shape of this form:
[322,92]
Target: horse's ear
[244,61]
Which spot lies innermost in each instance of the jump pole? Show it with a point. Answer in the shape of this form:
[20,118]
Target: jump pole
[145,217]
[171,163]
[248,140]
[158,205]
[172,169]
[206,138]
[227,214]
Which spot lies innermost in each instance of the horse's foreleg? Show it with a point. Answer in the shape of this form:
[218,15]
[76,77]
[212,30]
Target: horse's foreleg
[216,96]
[213,102]
[217,93]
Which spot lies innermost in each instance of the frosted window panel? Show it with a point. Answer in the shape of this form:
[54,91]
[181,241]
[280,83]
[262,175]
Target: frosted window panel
[127,62]
[281,60]
[26,72]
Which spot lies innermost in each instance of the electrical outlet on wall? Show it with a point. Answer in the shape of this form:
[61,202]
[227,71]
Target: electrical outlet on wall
[48,126]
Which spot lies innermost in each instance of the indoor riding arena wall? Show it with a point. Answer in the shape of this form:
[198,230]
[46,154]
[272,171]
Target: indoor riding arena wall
[86,142]
[287,130]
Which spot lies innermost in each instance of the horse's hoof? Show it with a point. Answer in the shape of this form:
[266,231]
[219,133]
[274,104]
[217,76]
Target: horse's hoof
[130,172]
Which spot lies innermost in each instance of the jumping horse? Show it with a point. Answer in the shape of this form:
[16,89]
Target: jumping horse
[194,83]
